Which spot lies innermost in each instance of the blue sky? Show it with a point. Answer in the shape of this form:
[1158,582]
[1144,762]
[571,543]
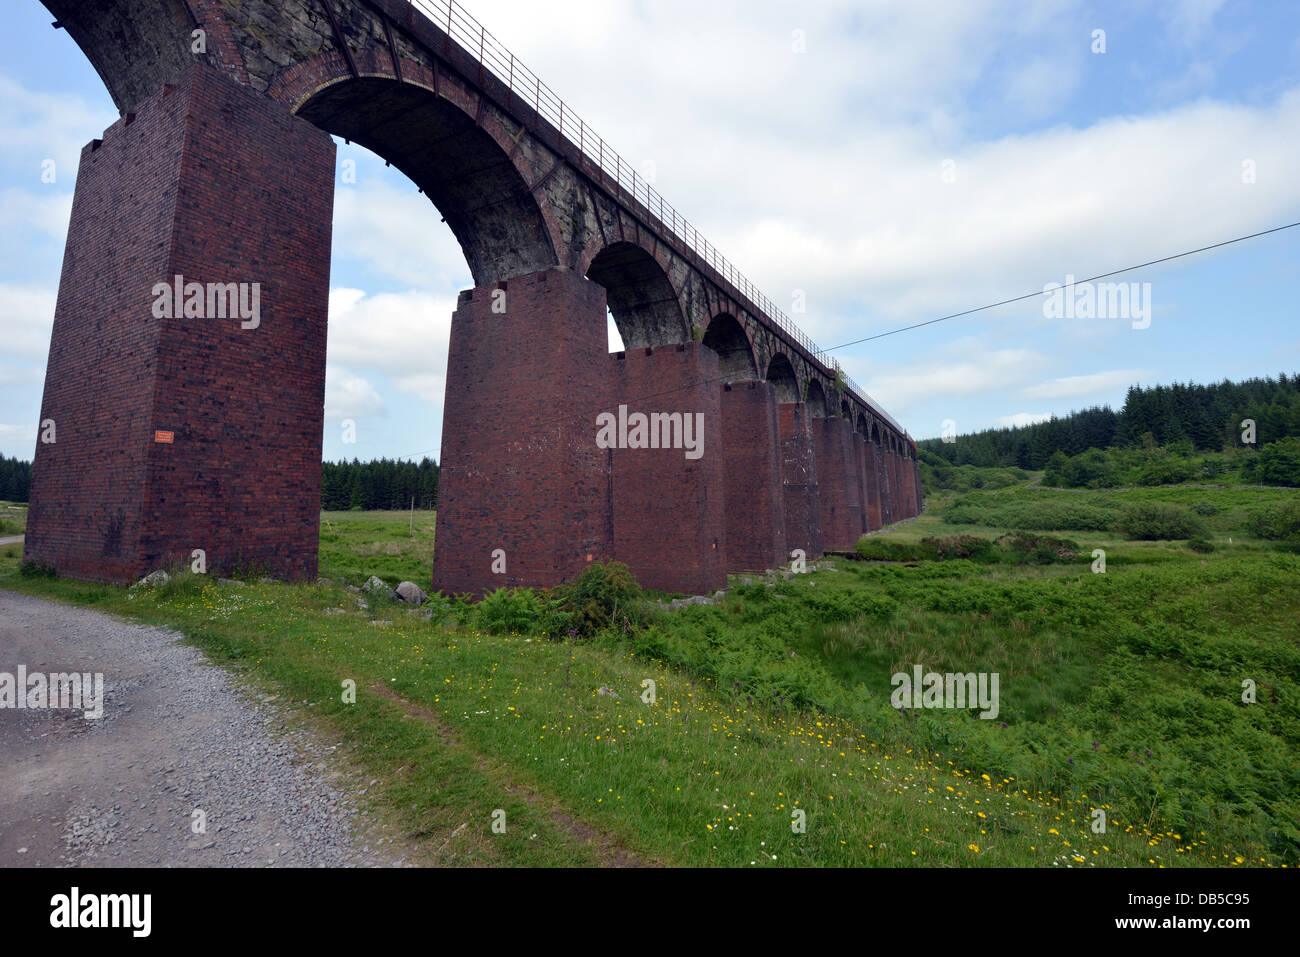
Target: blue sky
[915,159]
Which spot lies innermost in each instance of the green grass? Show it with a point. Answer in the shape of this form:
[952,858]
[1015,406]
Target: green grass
[778,700]
[1224,512]
[356,545]
[13,519]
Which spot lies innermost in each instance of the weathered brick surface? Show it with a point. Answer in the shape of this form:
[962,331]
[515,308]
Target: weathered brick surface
[895,486]
[799,477]
[751,437]
[520,468]
[886,485]
[869,456]
[864,482]
[837,480]
[914,485]
[669,513]
[174,191]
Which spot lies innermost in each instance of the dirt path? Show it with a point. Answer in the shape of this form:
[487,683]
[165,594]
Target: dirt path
[176,736]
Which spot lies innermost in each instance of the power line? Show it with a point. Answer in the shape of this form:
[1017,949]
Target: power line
[931,322]
[1034,295]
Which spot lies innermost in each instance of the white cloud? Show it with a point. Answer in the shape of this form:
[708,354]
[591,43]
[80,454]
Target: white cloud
[393,333]
[26,319]
[35,126]
[396,233]
[47,212]
[400,336]
[1078,386]
[1021,419]
[822,172]
[963,371]
[350,396]
[17,440]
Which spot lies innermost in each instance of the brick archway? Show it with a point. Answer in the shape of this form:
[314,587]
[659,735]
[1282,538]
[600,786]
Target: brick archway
[431,128]
[646,307]
[726,337]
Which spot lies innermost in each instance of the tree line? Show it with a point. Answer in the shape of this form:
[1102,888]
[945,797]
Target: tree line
[383,484]
[15,479]
[1206,418]
[378,485]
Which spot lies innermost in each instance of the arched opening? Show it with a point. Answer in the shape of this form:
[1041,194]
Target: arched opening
[467,176]
[875,433]
[862,427]
[735,359]
[640,297]
[781,374]
[846,410]
[816,399]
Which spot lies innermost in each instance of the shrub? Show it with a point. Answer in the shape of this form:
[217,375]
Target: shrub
[1041,549]
[605,596]
[1277,463]
[32,569]
[1157,521]
[1280,522]
[1205,508]
[963,515]
[509,611]
[1200,545]
[958,546]
[1165,471]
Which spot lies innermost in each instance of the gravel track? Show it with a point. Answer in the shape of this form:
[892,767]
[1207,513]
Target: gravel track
[177,734]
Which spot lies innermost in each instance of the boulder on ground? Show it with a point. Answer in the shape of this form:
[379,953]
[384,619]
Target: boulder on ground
[375,586]
[154,579]
[412,593]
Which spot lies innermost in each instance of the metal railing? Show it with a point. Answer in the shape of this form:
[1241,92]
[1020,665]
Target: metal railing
[491,55]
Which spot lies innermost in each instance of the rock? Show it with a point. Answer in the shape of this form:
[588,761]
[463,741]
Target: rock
[375,586]
[605,692]
[719,595]
[694,600]
[154,579]
[411,592]
[230,581]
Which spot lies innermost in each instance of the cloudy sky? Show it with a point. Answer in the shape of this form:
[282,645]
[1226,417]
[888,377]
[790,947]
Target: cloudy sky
[894,161]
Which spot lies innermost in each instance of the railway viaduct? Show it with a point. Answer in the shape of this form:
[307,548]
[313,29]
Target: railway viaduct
[200,427]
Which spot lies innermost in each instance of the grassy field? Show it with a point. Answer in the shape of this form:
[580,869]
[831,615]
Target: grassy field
[1119,691]
[13,519]
[356,545]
